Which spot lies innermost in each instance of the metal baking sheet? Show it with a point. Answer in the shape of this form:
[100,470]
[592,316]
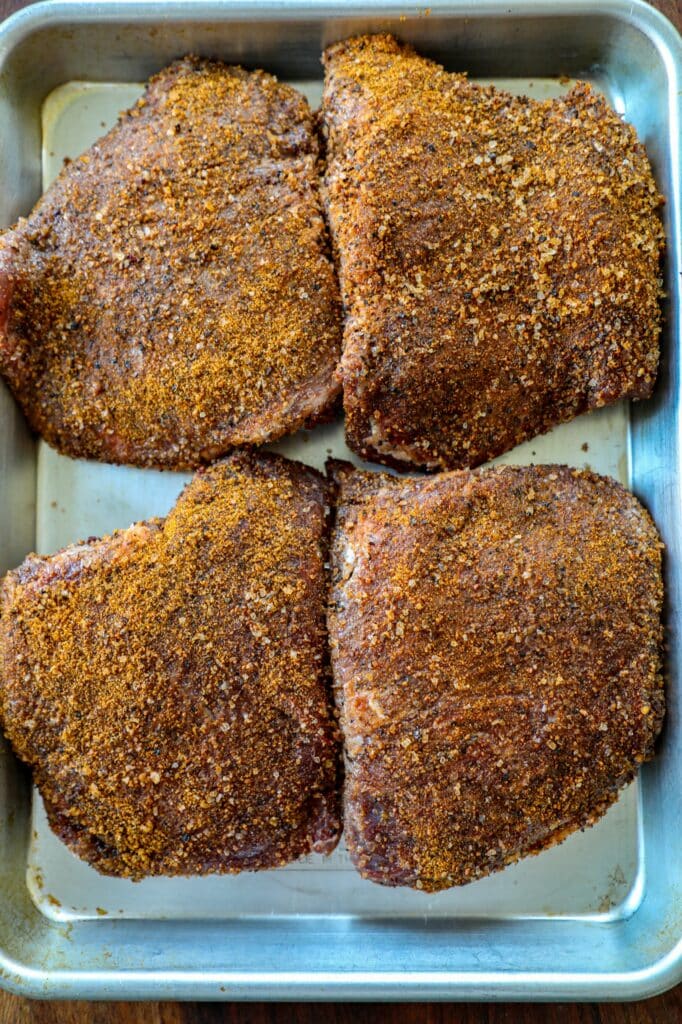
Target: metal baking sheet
[595,916]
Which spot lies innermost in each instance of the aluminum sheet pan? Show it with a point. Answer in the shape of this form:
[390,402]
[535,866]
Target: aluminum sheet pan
[598,916]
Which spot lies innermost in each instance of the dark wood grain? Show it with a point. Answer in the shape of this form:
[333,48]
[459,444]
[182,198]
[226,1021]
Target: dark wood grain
[9,6]
[666,1009]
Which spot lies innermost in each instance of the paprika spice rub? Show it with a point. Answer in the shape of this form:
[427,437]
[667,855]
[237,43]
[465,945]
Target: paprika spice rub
[496,640]
[172,295]
[498,257]
[168,684]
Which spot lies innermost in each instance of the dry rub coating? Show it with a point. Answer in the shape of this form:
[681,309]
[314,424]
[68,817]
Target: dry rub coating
[498,256]
[495,643]
[172,295]
[168,684]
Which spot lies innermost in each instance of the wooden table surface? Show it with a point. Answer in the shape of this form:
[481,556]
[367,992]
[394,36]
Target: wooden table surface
[666,1009]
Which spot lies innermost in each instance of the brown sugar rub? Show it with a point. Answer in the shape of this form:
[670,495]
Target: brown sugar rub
[168,685]
[495,641]
[498,257]
[172,295]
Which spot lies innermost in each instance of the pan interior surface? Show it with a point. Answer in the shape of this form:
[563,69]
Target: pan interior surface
[78,499]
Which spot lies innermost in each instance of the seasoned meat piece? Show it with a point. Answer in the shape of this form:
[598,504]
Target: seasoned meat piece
[168,684]
[171,296]
[495,644]
[498,257]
